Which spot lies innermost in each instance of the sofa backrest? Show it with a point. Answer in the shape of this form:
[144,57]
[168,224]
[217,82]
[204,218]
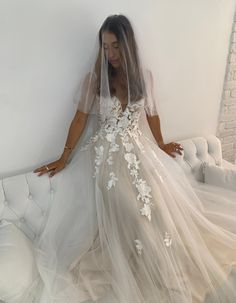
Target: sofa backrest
[198,150]
[25,200]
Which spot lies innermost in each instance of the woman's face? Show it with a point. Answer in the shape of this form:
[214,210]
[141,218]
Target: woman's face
[111,49]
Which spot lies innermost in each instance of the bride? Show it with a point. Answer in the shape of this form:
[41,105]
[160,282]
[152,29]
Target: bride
[126,225]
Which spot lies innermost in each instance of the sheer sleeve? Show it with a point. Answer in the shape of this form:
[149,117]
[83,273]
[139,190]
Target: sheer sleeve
[150,105]
[86,93]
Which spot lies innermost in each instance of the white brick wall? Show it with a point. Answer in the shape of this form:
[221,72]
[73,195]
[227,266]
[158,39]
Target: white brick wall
[226,131]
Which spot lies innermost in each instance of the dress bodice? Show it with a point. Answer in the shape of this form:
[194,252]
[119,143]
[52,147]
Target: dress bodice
[136,105]
[117,117]
[118,122]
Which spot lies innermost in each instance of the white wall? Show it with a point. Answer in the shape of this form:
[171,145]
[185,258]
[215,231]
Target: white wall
[45,43]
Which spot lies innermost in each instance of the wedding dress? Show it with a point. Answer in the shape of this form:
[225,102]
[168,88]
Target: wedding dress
[137,231]
[126,225]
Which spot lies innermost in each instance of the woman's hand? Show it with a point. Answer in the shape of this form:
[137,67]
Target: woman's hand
[53,168]
[171,147]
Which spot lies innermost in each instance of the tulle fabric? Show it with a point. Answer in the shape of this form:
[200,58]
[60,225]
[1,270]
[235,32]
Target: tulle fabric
[98,247]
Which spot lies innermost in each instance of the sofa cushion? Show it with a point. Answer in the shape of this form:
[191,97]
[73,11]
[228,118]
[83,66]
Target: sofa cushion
[17,262]
[219,176]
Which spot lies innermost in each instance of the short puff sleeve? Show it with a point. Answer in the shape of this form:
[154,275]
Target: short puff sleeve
[150,104]
[86,93]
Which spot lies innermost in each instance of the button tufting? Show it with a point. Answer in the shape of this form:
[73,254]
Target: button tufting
[30,196]
[5,202]
[22,219]
[51,190]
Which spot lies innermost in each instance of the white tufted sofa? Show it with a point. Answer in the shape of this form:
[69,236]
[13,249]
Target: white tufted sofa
[25,200]
[198,150]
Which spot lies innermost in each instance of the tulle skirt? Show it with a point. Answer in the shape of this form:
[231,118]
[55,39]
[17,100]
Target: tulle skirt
[135,230]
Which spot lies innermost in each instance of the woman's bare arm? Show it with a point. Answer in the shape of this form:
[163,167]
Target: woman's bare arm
[76,129]
[155,126]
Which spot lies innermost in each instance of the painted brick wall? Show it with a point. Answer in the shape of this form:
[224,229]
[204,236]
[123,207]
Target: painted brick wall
[226,131]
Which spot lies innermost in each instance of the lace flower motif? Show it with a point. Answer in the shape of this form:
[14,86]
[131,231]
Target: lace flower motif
[131,158]
[110,160]
[112,180]
[139,246]
[146,211]
[143,189]
[99,157]
[110,137]
[167,239]
[128,146]
[114,147]
[134,173]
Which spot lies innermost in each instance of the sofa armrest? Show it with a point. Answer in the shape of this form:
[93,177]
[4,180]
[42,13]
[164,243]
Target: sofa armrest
[228,165]
[220,176]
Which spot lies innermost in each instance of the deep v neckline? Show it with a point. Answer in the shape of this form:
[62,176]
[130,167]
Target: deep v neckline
[126,106]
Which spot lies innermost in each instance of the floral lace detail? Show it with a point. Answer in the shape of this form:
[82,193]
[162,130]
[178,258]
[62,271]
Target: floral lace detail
[139,246]
[112,181]
[99,158]
[117,123]
[143,189]
[167,239]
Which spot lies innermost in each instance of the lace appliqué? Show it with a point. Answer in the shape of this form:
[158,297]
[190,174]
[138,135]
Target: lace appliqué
[99,158]
[167,239]
[144,191]
[112,181]
[139,246]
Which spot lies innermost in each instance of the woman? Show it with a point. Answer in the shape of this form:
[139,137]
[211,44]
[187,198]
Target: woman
[126,225]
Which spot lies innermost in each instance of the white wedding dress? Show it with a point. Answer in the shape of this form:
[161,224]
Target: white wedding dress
[127,226]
